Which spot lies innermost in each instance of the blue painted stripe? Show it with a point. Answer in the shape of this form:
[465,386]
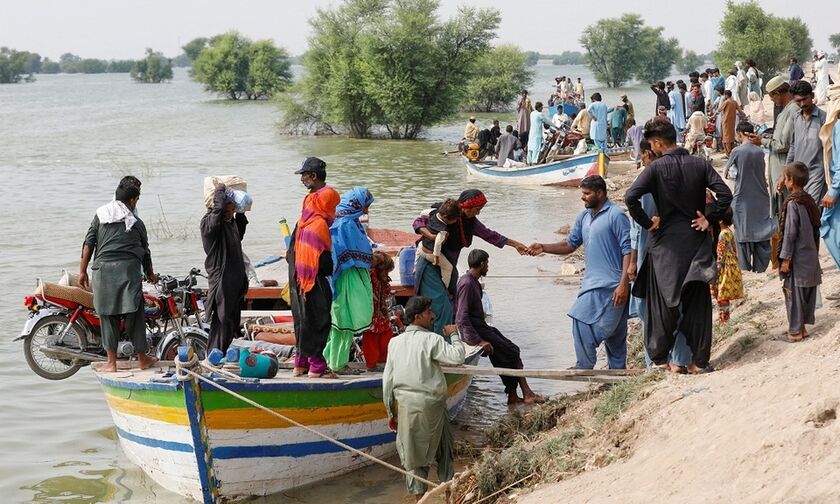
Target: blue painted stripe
[287,450]
[300,449]
[566,166]
[155,443]
[111,382]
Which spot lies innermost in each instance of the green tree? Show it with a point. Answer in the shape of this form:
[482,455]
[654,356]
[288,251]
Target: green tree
[194,47]
[32,64]
[657,55]
[49,66]
[12,65]
[613,51]
[834,40]
[390,64]
[533,57]
[501,74]
[237,68]
[120,66]
[800,38]
[689,62]
[152,69]
[747,32]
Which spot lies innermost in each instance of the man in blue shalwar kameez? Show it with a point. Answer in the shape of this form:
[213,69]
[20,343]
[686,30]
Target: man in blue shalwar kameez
[600,312]
[598,129]
[830,222]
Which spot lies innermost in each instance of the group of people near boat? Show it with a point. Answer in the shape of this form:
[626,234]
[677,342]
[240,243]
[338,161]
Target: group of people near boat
[665,266]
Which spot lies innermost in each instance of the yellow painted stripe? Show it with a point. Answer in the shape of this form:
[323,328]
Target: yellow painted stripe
[253,418]
[166,414]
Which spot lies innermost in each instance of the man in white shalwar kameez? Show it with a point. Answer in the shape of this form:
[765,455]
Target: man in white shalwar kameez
[414,390]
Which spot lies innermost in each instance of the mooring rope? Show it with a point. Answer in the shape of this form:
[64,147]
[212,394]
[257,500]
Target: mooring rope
[181,368]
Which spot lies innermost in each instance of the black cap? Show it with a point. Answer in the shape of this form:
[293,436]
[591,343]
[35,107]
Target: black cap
[312,165]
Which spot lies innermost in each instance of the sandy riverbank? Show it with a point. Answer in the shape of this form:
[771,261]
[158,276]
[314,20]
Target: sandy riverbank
[760,429]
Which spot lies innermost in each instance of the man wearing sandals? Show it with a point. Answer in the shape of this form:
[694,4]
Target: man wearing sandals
[414,391]
[679,265]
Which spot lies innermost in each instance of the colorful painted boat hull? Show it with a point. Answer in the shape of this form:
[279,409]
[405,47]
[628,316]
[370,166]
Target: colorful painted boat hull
[202,443]
[567,172]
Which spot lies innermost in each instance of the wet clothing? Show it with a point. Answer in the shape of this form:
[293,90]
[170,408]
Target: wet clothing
[605,237]
[414,390]
[751,211]
[680,262]
[116,278]
[805,146]
[473,327]
[225,267]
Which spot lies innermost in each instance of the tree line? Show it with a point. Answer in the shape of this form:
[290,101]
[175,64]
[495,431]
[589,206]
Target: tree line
[24,65]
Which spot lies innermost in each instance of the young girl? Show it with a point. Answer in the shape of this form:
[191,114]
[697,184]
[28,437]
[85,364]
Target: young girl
[375,339]
[799,265]
[729,285]
[430,249]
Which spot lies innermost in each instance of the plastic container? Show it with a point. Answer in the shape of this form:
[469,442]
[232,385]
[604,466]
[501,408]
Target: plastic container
[233,355]
[216,357]
[254,365]
[407,256]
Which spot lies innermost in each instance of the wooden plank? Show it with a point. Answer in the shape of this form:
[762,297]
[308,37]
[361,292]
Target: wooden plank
[551,374]
[263,293]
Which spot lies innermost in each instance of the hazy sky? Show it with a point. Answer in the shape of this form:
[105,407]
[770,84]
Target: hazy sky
[124,28]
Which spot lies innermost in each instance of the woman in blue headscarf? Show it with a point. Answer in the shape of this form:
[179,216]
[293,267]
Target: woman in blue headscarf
[352,307]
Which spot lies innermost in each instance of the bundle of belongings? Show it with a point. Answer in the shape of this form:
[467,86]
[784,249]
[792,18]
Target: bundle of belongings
[237,187]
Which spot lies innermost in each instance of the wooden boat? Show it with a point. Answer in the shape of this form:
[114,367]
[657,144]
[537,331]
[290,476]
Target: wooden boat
[567,171]
[200,442]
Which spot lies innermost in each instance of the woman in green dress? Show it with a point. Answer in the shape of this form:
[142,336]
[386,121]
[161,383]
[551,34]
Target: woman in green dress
[352,306]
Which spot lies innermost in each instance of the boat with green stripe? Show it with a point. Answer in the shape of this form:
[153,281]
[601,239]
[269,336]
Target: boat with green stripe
[200,442]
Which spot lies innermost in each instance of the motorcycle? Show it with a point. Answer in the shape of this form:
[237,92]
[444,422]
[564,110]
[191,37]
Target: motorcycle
[62,333]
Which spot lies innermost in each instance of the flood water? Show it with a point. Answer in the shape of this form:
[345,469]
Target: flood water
[66,140]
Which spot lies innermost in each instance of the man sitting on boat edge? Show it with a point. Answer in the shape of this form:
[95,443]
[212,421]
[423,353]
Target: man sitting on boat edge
[470,318]
[414,390]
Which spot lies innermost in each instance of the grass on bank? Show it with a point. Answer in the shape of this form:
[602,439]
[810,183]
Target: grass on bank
[517,449]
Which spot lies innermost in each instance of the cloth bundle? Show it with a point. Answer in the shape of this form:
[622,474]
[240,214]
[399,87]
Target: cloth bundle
[235,184]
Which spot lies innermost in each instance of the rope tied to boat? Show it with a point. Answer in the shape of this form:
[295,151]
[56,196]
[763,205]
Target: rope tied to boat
[185,369]
[181,367]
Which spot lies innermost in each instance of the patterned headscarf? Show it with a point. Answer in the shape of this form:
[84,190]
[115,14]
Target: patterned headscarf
[313,235]
[350,245]
[472,198]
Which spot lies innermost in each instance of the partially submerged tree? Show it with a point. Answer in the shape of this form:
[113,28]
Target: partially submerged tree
[12,64]
[689,62]
[237,68]
[387,64]
[152,69]
[657,55]
[612,49]
[834,40]
[502,73]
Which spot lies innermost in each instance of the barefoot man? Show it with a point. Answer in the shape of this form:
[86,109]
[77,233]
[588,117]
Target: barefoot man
[474,329]
[121,244]
[600,311]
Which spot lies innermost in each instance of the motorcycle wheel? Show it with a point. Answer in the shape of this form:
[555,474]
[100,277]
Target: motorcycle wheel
[197,341]
[46,332]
